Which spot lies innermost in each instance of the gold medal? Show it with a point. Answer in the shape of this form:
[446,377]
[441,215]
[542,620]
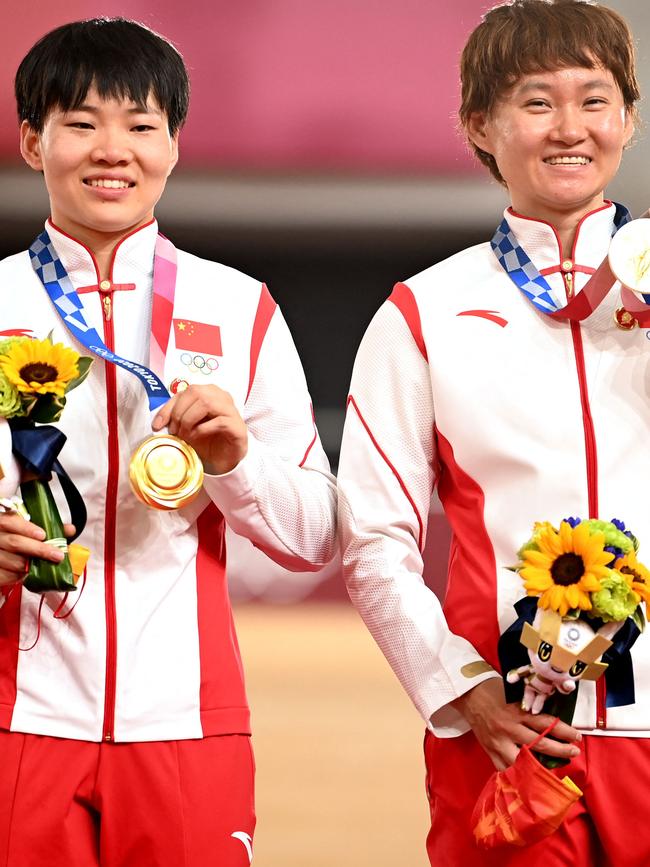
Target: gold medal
[165,472]
[629,256]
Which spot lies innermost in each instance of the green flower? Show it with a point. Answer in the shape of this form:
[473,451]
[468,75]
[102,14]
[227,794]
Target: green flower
[532,544]
[10,400]
[616,601]
[613,536]
[5,344]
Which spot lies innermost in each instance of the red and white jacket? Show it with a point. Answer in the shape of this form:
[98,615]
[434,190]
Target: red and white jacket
[517,418]
[150,652]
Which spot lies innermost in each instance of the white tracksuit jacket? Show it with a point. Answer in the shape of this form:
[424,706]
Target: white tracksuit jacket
[150,651]
[461,382]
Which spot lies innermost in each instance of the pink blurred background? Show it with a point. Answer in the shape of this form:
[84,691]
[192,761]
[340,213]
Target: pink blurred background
[294,86]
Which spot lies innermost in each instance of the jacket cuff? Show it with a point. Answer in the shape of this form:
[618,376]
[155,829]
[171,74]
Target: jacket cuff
[446,721]
[233,492]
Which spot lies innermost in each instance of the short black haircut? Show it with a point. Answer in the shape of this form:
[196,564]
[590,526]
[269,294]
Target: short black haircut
[122,59]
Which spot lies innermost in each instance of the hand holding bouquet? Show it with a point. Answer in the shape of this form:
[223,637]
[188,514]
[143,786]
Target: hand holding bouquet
[582,613]
[585,587]
[35,377]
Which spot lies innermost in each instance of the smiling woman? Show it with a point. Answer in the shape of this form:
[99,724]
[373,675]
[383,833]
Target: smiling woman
[104,134]
[548,105]
[106,163]
[557,138]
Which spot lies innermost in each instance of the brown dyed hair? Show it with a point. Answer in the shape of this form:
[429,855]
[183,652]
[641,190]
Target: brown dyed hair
[527,36]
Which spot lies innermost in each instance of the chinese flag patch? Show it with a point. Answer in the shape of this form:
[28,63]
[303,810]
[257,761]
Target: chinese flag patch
[197,336]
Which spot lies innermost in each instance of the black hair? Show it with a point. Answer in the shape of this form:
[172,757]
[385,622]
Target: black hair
[121,58]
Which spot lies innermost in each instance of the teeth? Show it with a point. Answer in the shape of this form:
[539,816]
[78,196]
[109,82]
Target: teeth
[108,183]
[568,161]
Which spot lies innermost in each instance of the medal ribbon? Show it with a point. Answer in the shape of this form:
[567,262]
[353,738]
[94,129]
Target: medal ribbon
[52,274]
[524,274]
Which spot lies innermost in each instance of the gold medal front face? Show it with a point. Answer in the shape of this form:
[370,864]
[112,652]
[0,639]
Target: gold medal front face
[166,467]
[165,472]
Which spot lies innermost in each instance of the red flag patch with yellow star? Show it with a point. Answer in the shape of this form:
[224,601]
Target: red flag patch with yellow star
[197,336]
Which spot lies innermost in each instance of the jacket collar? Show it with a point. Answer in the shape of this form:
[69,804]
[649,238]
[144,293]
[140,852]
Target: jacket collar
[542,243]
[132,260]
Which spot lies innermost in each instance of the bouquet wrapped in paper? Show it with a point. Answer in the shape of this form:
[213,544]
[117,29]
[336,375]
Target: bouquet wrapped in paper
[582,613]
[35,377]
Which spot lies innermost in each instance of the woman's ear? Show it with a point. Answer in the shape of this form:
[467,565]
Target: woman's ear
[630,127]
[477,130]
[30,146]
[174,153]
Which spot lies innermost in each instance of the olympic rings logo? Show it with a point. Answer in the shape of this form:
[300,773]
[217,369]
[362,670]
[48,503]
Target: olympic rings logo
[198,362]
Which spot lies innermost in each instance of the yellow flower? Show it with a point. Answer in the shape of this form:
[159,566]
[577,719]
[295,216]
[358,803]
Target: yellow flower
[39,367]
[566,568]
[636,575]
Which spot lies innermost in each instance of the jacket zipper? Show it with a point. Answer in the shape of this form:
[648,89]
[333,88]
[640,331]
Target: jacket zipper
[109,526]
[592,464]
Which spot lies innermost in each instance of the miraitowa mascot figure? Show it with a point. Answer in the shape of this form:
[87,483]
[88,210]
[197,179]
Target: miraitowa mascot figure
[561,652]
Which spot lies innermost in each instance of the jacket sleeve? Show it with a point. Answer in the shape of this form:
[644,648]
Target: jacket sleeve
[281,496]
[386,477]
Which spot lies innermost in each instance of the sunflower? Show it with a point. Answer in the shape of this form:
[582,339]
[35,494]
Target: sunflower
[39,367]
[636,575]
[566,568]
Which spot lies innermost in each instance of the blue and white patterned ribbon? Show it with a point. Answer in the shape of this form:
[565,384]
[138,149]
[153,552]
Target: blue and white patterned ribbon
[524,274]
[57,284]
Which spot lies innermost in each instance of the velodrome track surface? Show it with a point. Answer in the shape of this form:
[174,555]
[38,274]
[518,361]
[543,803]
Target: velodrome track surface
[338,744]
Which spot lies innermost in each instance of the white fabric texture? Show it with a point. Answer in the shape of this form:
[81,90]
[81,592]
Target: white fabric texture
[284,506]
[378,525]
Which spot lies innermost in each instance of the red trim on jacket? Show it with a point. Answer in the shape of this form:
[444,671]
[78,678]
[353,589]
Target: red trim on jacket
[265,310]
[591,459]
[353,404]
[311,444]
[224,708]
[557,269]
[404,300]
[471,598]
[606,204]
[90,252]
[9,642]
[110,525]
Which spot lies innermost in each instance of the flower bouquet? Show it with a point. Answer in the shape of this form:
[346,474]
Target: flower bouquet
[585,588]
[35,376]
[582,613]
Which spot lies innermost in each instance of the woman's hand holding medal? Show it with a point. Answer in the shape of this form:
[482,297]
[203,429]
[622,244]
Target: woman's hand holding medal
[205,417]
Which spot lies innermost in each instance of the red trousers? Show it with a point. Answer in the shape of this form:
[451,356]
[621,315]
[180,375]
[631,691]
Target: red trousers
[66,803]
[606,828]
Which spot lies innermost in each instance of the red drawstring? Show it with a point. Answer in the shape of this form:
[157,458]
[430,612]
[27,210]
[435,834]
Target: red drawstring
[543,734]
[38,627]
[56,614]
